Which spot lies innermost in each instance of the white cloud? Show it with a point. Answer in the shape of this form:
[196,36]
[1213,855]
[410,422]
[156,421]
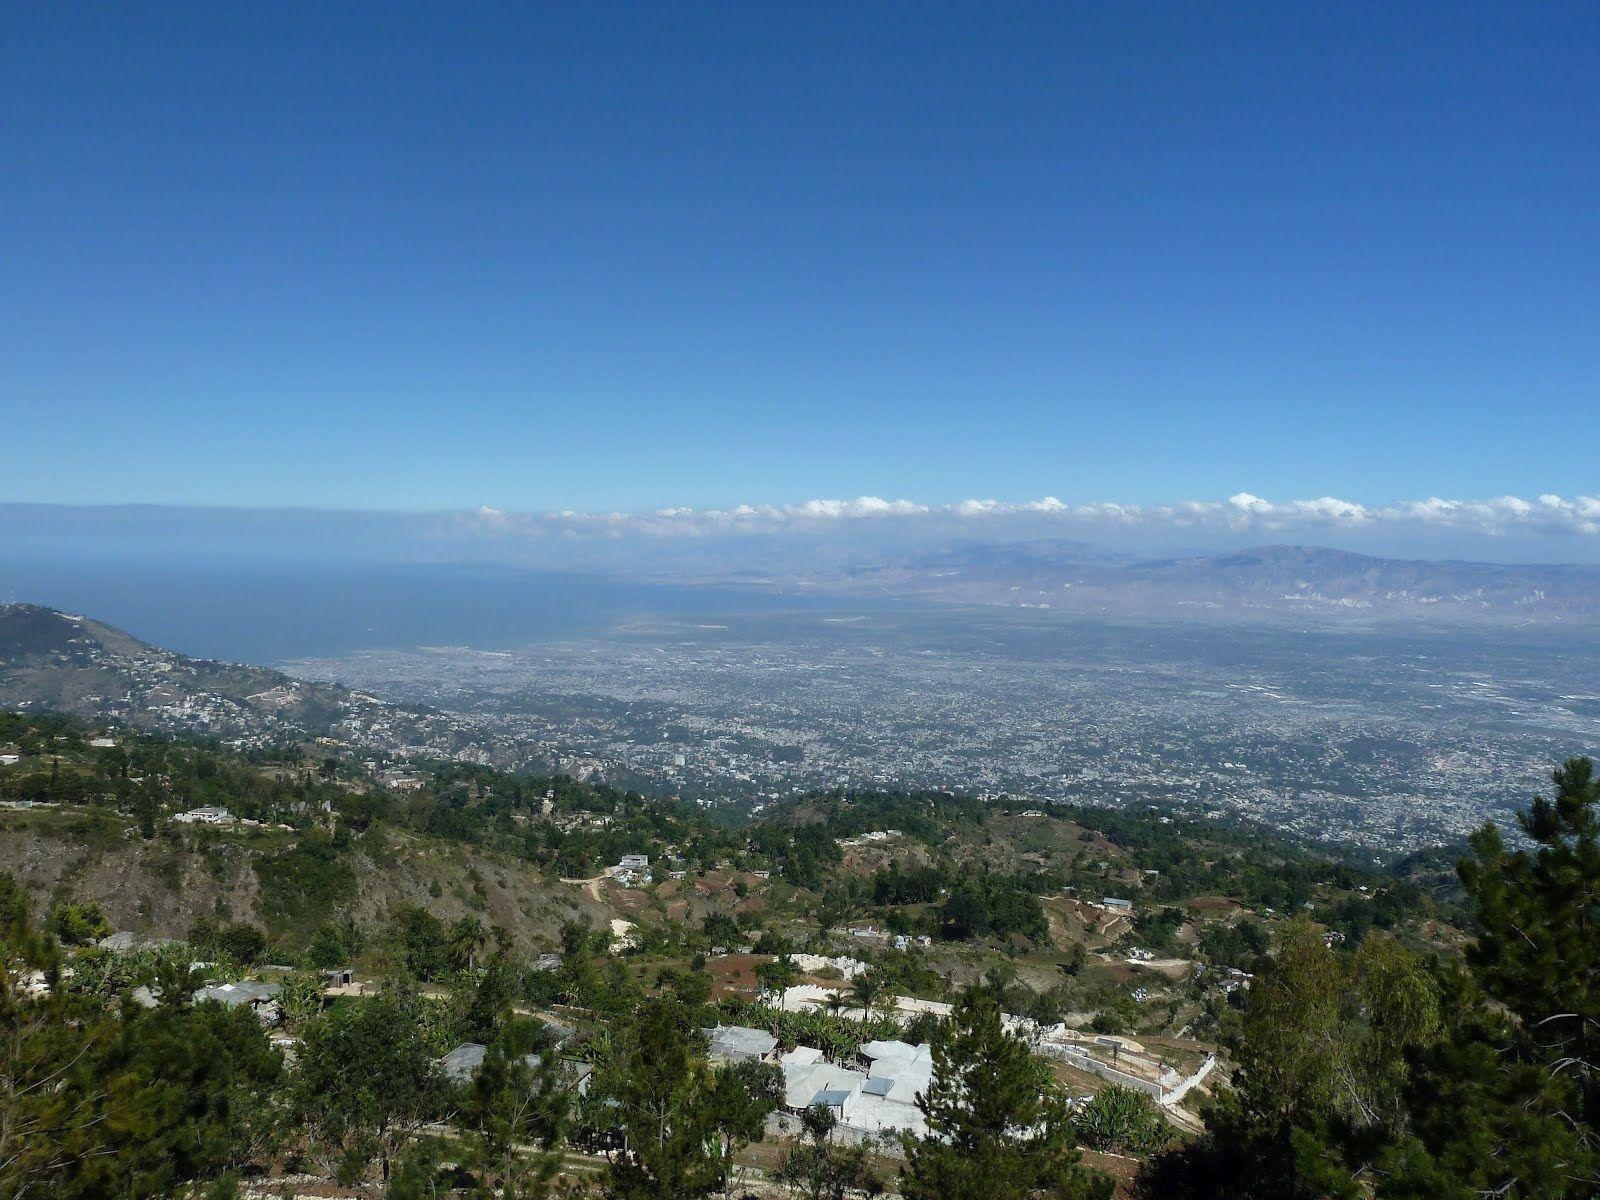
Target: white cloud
[1242,512]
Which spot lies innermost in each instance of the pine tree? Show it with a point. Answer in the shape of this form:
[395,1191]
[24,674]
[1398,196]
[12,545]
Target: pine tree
[817,1169]
[997,1127]
[659,1081]
[743,1094]
[119,1101]
[517,1112]
[1538,918]
[1365,1074]
[365,1081]
[1509,1103]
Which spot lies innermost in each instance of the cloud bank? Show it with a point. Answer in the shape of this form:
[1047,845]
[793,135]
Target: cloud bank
[1241,513]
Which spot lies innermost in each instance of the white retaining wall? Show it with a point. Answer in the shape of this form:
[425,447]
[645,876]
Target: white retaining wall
[1087,1062]
[1182,1090]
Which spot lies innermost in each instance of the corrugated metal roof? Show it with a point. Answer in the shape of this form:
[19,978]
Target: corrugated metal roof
[740,1042]
[232,994]
[461,1062]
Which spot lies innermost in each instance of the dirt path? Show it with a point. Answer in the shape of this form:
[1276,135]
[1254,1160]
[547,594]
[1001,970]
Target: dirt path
[592,886]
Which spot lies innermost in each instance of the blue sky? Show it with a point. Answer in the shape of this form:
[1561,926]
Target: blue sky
[591,257]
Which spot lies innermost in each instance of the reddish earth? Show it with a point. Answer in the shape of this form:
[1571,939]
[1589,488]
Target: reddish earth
[1123,1170]
[1216,905]
[735,974]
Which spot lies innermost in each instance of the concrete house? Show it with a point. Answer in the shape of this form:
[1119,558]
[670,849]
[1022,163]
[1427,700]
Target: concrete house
[260,998]
[462,1063]
[209,815]
[738,1043]
[881,1098]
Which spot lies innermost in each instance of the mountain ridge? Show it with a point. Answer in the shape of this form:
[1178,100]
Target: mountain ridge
[63,662]
[1270,580]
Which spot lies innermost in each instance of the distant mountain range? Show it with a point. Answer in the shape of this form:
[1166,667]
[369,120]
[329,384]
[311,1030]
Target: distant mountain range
[1270,580]
[72,664]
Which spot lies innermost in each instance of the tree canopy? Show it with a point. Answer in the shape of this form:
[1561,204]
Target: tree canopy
[998,1127]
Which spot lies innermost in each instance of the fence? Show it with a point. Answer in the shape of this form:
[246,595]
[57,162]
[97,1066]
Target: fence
[1087,1062]
[1150,1087]
[1182,1090]
[789,1125]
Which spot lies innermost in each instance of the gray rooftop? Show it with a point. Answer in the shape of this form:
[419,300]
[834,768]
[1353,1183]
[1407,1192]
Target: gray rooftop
[123,940]
[735,1043]
[233,994]
[461,1062]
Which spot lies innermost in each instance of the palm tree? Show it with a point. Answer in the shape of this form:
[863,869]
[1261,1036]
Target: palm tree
[835,1002]
[466,939]
[864,990]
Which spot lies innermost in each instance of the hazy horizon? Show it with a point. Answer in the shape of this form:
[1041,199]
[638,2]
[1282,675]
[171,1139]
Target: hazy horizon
[1507,530]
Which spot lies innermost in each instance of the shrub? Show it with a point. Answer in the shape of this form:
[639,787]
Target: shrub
[1121,1119]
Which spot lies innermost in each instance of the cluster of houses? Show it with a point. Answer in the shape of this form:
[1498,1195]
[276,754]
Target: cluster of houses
[259,996]
[1233,979]
[867,839]
[900,941]
[632,870]
[872,1095]
[1133,1067]
[211,814]
[876,1094]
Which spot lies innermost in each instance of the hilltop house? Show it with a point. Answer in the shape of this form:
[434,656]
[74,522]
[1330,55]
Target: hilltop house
[209,815]
[260,998]
[738,1043]
[632,870]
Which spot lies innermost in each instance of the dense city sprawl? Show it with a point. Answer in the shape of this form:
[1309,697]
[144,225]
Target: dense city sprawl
[320,947]
[1381,741]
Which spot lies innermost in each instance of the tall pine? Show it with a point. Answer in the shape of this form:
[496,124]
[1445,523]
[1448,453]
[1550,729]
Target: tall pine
[1509,1103]
[997,1125]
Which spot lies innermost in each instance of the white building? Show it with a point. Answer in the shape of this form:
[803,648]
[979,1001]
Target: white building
[849,968]
[209,815]
[738,1043]
[880,1099]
